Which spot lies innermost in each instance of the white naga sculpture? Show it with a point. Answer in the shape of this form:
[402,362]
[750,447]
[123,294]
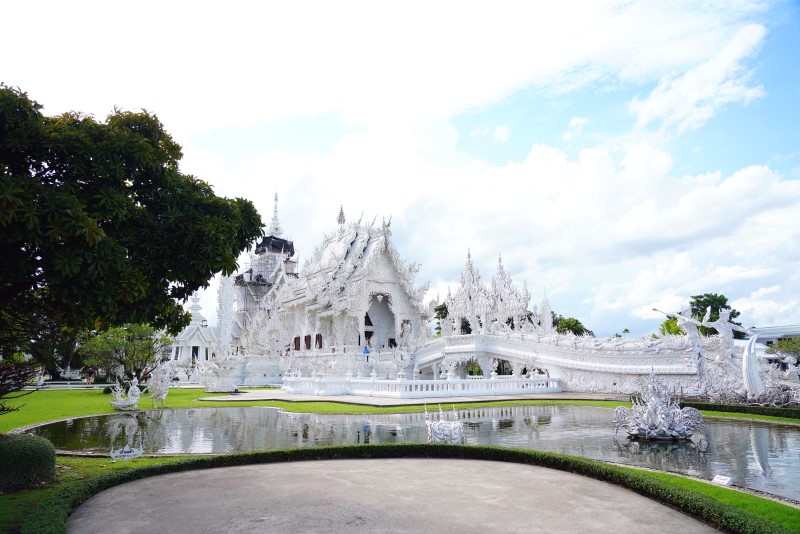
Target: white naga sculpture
[127,400]
[444,431]
[657,416]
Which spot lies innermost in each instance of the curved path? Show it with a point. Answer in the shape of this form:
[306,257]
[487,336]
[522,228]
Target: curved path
[375,496]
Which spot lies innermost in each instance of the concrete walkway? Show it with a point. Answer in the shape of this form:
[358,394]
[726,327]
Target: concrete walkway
[279,394]
[375,496]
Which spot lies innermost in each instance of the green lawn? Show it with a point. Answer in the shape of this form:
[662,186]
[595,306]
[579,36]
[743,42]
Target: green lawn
[47,405]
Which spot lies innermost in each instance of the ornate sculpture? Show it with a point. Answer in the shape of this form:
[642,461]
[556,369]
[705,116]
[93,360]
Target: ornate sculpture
[444,431]
[127,400]
[161,377]
[656,416]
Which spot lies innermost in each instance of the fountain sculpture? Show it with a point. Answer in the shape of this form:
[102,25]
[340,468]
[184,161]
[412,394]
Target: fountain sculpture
[657,416]
[444,431]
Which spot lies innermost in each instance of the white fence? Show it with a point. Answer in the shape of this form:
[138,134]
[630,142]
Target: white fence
[417,389]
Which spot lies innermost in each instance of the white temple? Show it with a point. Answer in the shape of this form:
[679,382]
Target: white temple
[352,321]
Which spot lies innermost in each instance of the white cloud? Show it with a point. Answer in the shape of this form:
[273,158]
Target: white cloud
[688,100]
[501,134]
[575,128]
[610,233]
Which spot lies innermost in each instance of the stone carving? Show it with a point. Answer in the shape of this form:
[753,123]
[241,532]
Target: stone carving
[656,416]
[126,400]
[444,431]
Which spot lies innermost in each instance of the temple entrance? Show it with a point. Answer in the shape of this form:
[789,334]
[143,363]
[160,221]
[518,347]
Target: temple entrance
[381,318]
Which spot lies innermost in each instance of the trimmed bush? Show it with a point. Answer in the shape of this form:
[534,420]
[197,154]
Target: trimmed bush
[25,461]
[774,411]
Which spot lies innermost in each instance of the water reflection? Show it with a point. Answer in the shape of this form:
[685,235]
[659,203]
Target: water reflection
[757,455]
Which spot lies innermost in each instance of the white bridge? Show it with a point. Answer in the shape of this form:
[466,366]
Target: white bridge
[538,364]
[581,363]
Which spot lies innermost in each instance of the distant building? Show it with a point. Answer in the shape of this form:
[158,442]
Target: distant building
[768,335]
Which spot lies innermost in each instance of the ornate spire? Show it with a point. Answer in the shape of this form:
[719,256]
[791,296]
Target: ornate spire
[340,218]
[275,227]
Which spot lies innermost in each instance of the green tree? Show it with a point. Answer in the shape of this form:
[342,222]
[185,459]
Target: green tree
[99,227]
[569,324]
[128,348]
[786,347]
[701,303]
[670,327]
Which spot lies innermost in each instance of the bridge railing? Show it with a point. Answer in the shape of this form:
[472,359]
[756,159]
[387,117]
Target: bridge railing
[410,389]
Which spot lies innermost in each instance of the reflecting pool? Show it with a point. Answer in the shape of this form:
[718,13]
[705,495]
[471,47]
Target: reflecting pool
[761,456]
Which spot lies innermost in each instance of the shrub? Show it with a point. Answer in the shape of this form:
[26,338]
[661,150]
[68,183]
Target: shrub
[25,461]
[792,413]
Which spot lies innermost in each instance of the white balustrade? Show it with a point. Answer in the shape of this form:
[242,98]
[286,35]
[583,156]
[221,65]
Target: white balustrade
[410,389]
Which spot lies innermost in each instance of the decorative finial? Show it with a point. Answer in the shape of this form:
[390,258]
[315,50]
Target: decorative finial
[340,218]
[275,227]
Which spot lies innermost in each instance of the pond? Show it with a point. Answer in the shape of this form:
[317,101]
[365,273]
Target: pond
[761,456]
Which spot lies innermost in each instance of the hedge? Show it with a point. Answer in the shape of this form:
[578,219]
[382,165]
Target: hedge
[51,515]
[792,413]
[25,461]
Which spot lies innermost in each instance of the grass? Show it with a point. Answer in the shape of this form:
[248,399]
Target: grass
[782,514]
[47,405]
[15,507]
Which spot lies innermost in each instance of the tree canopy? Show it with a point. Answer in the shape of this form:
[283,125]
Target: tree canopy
[124,350]
[564,325]
[98,226]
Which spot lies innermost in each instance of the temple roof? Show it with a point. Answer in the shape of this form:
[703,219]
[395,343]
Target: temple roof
[272,243]
[345,261]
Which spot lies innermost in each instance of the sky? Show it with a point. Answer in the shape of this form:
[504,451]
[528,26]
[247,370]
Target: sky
[619,156]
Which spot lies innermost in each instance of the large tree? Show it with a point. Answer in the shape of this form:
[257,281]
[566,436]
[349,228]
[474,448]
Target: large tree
[99,227]
[123,351]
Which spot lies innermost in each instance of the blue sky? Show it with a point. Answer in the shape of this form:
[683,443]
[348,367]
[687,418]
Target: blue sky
[621,156]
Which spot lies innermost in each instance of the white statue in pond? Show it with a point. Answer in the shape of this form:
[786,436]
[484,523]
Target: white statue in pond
[657,416]
[444,431]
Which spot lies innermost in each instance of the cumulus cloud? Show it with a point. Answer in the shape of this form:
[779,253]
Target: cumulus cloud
[688,100]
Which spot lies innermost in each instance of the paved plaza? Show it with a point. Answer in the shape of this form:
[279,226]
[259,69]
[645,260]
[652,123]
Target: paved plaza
[375,496]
